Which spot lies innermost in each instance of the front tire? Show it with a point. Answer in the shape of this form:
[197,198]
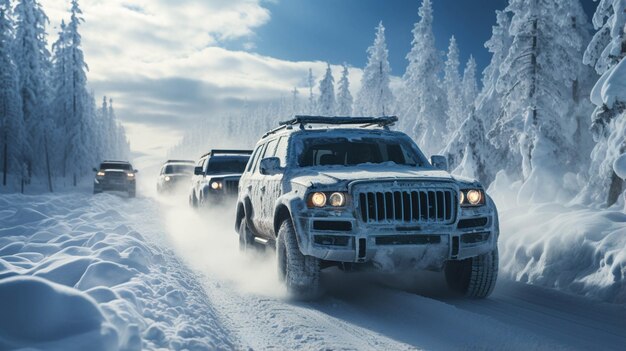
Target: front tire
[300,273]
[474,277]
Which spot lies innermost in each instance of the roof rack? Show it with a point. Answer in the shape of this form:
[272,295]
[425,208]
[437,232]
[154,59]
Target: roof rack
[228,152]
[179,161]
[364,122]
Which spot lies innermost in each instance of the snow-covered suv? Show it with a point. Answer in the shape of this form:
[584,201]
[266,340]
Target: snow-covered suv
[115,176]
[363,196]
[216,177]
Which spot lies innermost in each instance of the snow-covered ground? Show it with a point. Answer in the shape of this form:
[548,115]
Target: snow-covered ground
[116,273]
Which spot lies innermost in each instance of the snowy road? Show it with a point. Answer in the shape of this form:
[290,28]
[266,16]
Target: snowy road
[367,311]
[230,301]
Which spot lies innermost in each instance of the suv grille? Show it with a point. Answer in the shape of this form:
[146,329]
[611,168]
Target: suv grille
[408,206]
[231,186]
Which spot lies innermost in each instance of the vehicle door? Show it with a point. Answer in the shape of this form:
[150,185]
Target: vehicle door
[252,184]
[267,195]
[273,183]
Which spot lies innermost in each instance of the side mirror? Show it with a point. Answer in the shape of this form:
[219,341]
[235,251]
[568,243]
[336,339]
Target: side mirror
[439,162]
[198,170]
[94,169]
[135,171]
[270,166]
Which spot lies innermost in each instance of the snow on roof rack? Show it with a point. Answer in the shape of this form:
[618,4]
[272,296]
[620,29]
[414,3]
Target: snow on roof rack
[228,152]
[365,122]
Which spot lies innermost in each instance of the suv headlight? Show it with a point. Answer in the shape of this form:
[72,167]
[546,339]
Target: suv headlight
[100,174]
[216,185]
[327,199]
[472,197]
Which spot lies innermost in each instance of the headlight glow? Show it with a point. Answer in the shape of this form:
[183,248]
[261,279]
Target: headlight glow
[474,197]
[337,200]
[318,199]
[100,174]
[167,178]
[131,175]
[216,185]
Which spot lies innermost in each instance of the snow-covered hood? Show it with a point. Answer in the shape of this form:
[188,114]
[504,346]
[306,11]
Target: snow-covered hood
[340,175]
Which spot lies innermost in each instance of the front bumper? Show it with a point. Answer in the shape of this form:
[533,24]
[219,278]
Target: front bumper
[108,185]
[340,237]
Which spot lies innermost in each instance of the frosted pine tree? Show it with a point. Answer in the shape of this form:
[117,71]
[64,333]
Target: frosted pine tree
[375,97]
[469,85]
[13,148]
[606,53]
[344,98]
[311,83]
[295,102]
[536,80]
[452,85]
[326,104]
[422,100]
[32,59]
[469,152]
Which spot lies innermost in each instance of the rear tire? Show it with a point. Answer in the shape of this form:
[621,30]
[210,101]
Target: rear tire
[300,273]
[474,277]
[246,238]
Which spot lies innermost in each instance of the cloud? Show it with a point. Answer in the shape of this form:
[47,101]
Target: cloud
[163,62]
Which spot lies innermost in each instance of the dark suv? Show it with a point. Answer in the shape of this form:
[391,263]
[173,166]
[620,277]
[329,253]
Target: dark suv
[216,176]
[174,175]
[115,176]
[364,197]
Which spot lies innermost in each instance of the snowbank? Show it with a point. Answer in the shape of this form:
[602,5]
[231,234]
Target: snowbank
[75,275]
[576,249]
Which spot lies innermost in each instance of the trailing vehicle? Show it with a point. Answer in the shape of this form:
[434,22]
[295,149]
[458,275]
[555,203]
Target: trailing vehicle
[174,175]
[115,176]
[363,196]
[216,177]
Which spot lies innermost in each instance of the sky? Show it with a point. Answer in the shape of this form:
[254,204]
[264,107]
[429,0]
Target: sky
[168,64]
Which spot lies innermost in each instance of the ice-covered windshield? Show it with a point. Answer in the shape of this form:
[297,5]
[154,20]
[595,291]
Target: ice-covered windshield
[348,152]
[177,169]
[226,165]
[122,166]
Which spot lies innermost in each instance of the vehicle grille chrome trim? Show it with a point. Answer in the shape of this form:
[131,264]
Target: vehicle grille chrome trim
[414,205]
[231,186]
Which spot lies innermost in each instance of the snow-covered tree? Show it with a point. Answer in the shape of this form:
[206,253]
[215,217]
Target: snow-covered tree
[606,53]
[326,103]
[32,59]
[295,102]
[422,99]
[469,85]
[452,86]
[469,151]
[344,98]
[311,83]
[537,79]
[13,147]
[375,97]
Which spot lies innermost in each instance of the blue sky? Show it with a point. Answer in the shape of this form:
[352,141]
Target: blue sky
[341,30]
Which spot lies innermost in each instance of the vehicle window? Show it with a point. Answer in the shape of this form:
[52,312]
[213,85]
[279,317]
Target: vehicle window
[349,152]
[270,150]
[226,165]
[256,153]
[175,169]
[281,151]
[122,166]
[258,159]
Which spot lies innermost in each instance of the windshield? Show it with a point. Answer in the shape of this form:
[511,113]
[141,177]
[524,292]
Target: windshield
[175,169]
[346,152]
[122,166]
[224,165]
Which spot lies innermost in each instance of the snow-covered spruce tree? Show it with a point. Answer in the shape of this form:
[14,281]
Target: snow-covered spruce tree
[605,53]
[375,97]
[13,147]
[537,79]
[344,98]
[469,151]
[326,104]
[422,100]
[469,85]
[32,59]
[295,102]
[452,86]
